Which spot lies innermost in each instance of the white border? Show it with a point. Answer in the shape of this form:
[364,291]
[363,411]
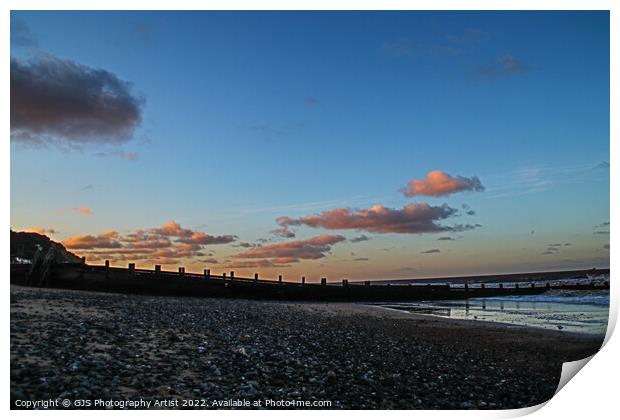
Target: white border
[592,394]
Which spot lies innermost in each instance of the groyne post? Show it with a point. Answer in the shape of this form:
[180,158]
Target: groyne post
[82,269]
[255,276]
[367,283]
[131,268]
[323,281]
[107,269]
[207,272]
[501,285]
[181,271]
[223,276]
[280,278]
[303,280]
[157,268]
[232,275]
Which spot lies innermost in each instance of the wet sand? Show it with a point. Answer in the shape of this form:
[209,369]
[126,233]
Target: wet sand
[88,345]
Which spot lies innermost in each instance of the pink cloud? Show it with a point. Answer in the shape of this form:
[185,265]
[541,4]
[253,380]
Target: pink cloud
[412,218]
[167,244]
[293,251]
[85,211]
[438,183]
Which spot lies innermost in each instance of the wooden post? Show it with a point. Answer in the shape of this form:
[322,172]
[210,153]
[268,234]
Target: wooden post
[107,269]
[157,268]
[303,280]
[501,285]
[367,283]
[344,282]
[323,281]
[279,278]
[532,285]
[232,275]
[548,286]
[181,271]
[482,285]
[107,263]
[255,276]
[207,273]
[224,276]
[131,267]
[82,269]
[466,285]
[516,285]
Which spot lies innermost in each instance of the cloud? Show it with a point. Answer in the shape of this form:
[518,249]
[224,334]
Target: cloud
[121,154]
[262,263]
[431,251]
[41,231]
[21,36]
[445,238]
[247,245]
[606,246]
[88,187]
[601,232]
[360,259]
[84,211]
[293,251]
[311,101]
[59,101]
[283,232]
[405,269]
[167,244]
[102,241]
[360,238]
[603,165]
[505,66]
[438,183]
[412,218]
[468,210]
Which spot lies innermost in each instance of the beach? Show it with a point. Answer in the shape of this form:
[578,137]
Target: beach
[81,345]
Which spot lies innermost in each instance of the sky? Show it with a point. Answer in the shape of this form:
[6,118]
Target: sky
[358,145]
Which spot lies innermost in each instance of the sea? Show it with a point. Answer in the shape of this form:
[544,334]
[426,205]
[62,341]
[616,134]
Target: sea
[581,311]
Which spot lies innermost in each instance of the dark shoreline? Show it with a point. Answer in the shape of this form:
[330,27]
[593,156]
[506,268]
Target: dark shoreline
[88,345]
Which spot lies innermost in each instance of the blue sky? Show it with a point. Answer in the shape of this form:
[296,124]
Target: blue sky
[247,117]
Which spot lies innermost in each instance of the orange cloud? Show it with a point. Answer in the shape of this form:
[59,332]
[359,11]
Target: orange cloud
[166,244]
[90,242]
[82,210]
[412,218]
[290,252]
[439,183]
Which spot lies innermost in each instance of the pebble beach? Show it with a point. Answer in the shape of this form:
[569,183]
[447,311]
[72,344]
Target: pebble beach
[90,346]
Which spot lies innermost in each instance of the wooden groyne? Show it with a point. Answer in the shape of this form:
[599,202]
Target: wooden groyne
[44,273]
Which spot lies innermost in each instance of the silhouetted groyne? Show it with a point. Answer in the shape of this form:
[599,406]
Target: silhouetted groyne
[80,276]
